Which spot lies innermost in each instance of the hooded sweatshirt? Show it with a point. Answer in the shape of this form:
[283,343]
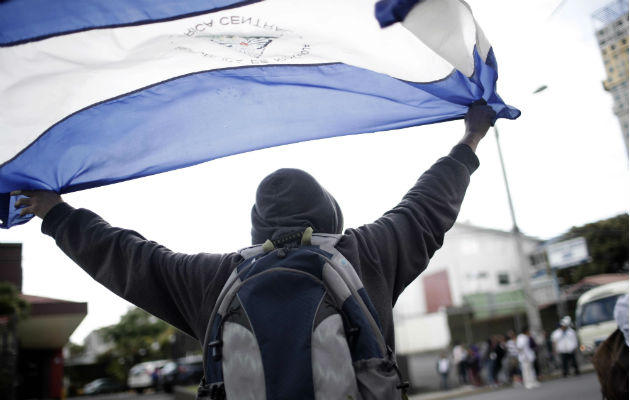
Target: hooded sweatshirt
[181,289]
[289,200]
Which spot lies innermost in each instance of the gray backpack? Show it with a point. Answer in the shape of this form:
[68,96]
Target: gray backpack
[293,322]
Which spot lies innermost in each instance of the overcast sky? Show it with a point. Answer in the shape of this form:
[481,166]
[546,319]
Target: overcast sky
[565,160]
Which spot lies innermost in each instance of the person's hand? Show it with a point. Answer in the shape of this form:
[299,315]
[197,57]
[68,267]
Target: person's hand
[37,202]
[479,119]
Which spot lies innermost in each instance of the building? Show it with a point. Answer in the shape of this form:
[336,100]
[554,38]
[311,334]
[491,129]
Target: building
[611,24]
[475,273]
[471,290]
[32,346]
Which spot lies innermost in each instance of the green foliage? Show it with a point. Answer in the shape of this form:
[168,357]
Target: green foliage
[138,337]
[607,242]
[11,303]
[12,309]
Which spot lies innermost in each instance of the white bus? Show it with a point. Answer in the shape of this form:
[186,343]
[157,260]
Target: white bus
[594,314]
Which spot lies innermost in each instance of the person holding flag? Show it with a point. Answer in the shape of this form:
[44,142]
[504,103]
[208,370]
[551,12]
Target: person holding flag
[182,289]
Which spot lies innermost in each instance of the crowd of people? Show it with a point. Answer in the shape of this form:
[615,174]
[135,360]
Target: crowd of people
[511,358]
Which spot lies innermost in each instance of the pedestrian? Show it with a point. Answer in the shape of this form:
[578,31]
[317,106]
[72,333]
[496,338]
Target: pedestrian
[474,365]
[565,344]
[526,358]
[488,359]
[550,359]
[459,359]
[183,289]
[496,352]
[511,361]
[536,364]
[443,367]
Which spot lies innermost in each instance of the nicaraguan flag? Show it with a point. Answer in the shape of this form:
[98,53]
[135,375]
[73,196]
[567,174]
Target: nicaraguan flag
[95,92]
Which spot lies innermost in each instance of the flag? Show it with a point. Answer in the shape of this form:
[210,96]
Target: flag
[96,92]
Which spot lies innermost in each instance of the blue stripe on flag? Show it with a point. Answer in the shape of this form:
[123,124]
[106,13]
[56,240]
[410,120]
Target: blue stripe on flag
[207,115]
[389,12]
[27,20]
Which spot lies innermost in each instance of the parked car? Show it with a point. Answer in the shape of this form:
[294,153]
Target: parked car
[183,371]
[594,314]
[103,385]
[144,375]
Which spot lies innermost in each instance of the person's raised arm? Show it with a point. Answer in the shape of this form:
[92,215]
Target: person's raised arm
[403,240]
[176,287]
[478,120]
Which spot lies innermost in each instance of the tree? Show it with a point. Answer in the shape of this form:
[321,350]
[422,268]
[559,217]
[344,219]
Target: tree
[138,337]
[607,242]
[12,309]
[11,304]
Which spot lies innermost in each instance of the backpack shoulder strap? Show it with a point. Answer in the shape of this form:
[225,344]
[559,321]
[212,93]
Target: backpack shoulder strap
[251,251]
[326,241]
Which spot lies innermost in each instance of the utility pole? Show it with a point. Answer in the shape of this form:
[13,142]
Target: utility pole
[533,314]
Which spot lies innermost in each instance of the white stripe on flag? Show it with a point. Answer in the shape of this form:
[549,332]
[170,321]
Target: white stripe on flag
[53,78]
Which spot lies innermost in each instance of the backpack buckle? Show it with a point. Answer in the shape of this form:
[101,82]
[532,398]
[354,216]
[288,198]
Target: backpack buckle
[216,345]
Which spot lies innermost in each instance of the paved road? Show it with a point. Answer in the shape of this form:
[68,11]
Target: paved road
[583,387]
[127,396]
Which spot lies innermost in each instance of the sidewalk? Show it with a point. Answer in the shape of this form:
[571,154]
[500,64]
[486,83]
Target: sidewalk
[452,393]
[468,390]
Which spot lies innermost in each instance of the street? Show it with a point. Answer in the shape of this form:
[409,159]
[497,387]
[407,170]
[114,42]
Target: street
[583,387]
[128,396]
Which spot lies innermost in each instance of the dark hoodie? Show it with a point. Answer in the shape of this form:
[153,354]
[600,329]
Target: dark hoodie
[182,289]
[291,199]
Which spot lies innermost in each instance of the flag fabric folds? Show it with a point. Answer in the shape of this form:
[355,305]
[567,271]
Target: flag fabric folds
[93,93]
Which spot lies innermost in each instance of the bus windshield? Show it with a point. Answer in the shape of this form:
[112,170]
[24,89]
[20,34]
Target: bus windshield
[598,311]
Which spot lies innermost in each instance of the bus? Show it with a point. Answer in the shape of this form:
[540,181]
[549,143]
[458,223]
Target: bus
[594,314]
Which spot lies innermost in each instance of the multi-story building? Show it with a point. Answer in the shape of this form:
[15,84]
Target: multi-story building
[611,24]
[476,274]
[471,290]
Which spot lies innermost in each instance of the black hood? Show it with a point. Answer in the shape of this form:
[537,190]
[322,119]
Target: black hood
[291,199]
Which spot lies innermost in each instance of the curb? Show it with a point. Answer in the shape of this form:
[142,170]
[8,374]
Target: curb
[470,390]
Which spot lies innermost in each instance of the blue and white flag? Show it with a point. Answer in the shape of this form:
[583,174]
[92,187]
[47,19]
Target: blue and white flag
[96,92]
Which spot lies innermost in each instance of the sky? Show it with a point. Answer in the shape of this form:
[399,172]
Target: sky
[565,162]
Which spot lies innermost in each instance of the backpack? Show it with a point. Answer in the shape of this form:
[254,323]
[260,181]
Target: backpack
[294,322]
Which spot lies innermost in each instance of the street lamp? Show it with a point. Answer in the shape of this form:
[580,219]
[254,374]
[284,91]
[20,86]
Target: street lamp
[533,314]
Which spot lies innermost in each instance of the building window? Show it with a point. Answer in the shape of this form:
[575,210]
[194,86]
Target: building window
[504,279]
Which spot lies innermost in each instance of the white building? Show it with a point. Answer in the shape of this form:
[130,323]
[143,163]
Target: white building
[476,267]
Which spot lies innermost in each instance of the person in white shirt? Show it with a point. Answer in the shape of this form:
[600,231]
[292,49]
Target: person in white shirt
[565,342]
[526,357]
[443,367]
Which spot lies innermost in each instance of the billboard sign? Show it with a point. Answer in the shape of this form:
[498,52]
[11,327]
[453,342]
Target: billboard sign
[568,253]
